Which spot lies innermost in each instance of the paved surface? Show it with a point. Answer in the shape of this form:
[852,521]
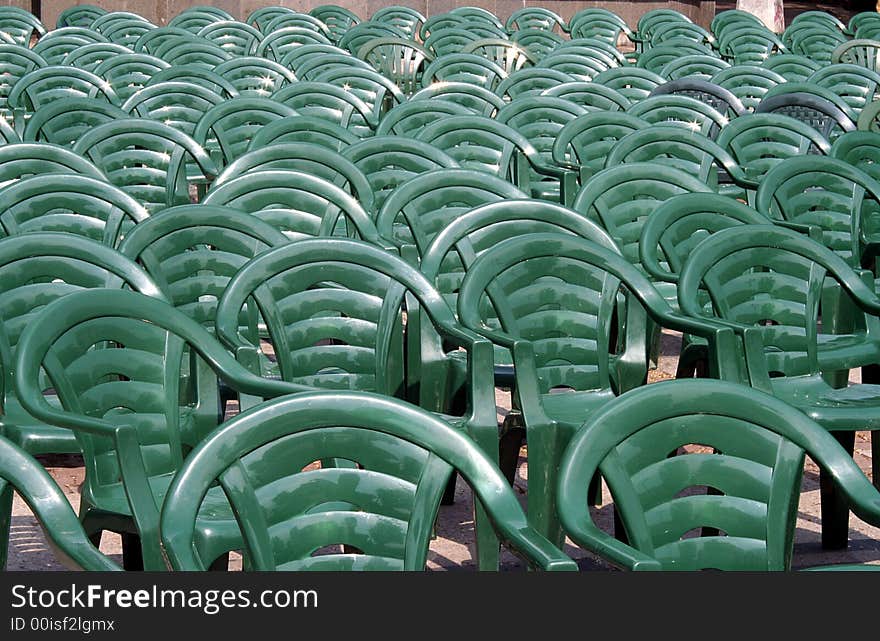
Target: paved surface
[452,549]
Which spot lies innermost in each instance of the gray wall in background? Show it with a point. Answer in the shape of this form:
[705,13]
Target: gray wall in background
[161,11]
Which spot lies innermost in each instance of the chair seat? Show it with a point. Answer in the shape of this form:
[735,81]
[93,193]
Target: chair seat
[35,438]
[856,407]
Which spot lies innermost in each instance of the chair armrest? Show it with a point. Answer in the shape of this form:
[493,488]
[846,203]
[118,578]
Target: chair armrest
[539,551]
[591,538]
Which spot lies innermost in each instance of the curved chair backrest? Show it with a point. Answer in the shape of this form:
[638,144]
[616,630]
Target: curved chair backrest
[254,75]
[854,84]
[586,141]
[693,66]
[198,75]
[469,68]
[791,66]
[323,100]
[828,193]
[330,288]
[476,98]
[859,52]
[275,45]
[860,149]
[408,20]
[130,72]
[400,60]
[634,83]
[237,38]
[360,34]
[146,159]
[89,56]
[534,18]
[592,96]
[24,474]
[306,157]
[72,203]
[228,127]
[531,81]
[388,161]
[176,104]
[681,110]
[671,232]
[337,19]
[504,53]
[759,141]
[724,101]
[192,251]
[54,82]
[19,161]
[620,198]
[824,115]
[304,129]
[755,477]
[63,122]
[420,208]
[297,203]
[749,83]
[383,507]
[410,117]
[81,15]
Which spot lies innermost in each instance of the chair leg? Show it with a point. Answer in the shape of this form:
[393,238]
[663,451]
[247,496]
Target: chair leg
[132,558]
[488,552]
[5,523]
[544,454]
[508,451]
[835,507]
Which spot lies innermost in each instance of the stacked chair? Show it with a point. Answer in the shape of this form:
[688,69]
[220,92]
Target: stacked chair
[266,276]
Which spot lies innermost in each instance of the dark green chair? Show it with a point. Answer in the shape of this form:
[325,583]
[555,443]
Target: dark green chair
[583,144]
[754,473]
[382,511]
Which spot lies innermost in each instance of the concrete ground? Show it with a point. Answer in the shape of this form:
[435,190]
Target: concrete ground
[453,547]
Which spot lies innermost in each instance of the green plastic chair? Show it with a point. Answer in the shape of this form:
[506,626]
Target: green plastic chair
[860,19]
[728,18]
[858,52]
[583,144]
[262,16]
[420,208]
[791,66]
[307,157]
[410,117]
[45,85]
[176,104]
[275,45]
[64,122]
[405,456]
[760,141]
[756,477]
[226,129]
[38,268]
[633,83]
[651,20]
[475,98]
[549,298]
[70,203]
[749,83]
[592,96]
[440,22]
[409,21]
[89,56]
[191,252]
[869,118]
[337,19]
[860,149]
[683,111]
[130,454]
[537,42]
[822,18]
[693,66]
[506,54]
[18,161]
[581,67]
[681,30]
[194,19]
[361,311]
[750,45]
[55,45]
[309,62]
[148,160]
[488,145]
[23,474]
[531,81]
[821,109]
[81,15]
[724,101]
[379,93]
[689,151]
[479,15]
[323,100]
[299,204]
[234,37]
[153,39]
[360,34]
[534,18]
[15,62]
[780,332]
[298,20]
[400,60]
[122,27]
[193,52]
[818,43]
[388,161]
[656,58]
[199,76]
[255,76]
[448,40]
[855,85]
[599,24]
[303,129]
[469,68]
[130,72]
